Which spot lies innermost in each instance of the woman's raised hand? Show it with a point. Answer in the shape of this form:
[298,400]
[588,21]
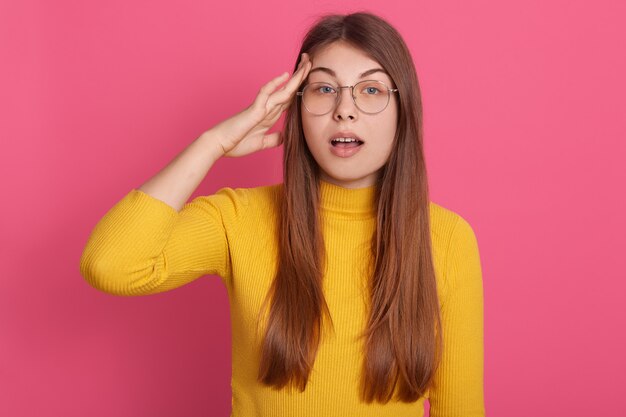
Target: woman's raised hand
[246,132]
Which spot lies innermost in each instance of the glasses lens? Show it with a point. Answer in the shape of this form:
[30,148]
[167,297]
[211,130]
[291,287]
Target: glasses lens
[319,98]
[371,96]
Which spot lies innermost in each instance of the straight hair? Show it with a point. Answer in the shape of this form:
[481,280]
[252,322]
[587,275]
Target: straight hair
[402,341]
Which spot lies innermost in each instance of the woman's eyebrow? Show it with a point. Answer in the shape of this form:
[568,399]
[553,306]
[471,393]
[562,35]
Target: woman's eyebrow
[332,73]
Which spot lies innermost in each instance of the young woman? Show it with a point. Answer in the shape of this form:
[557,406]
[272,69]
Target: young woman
[351,293]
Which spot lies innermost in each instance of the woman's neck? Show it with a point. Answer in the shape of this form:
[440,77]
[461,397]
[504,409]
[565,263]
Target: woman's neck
[360,202]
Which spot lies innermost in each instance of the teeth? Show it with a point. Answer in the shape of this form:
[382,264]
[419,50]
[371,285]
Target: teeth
[344,140]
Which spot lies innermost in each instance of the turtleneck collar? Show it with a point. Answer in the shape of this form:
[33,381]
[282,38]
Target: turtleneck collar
[353,203]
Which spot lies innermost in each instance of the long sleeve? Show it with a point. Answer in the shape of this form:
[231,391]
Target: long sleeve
[458,386]
[144,246]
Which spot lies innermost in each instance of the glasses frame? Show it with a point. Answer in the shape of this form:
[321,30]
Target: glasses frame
[339,89]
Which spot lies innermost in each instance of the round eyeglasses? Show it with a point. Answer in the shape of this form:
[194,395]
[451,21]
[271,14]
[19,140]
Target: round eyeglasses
[370,96]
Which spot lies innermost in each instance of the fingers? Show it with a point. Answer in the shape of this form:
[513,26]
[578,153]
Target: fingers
[264,92]
[272,140]
[286,92]
[301,73]
[271,86]
[274,114]
[269,98]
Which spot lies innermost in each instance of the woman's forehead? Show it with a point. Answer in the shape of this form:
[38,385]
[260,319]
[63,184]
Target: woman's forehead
[344,62]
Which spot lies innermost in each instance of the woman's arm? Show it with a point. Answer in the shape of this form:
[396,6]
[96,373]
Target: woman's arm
[151,240]
[143,246]
[458,389]
[175,183]
[239,135]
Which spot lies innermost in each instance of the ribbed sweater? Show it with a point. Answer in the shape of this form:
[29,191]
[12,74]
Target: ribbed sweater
[144,246]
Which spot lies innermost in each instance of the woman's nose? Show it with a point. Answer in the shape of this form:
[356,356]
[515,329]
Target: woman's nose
[345,107]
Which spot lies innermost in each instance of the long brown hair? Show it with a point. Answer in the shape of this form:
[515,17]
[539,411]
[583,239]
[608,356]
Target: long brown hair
[403,337]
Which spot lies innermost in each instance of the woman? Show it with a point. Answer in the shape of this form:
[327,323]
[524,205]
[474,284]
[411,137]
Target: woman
[351,293]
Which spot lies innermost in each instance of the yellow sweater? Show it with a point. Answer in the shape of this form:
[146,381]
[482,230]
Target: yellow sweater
[144,246]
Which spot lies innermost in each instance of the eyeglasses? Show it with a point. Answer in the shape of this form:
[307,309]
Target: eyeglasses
[370,96]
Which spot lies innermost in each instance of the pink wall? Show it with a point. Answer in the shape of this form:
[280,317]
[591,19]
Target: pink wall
[525,137]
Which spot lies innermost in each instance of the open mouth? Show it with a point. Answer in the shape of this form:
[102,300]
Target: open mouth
[346,142]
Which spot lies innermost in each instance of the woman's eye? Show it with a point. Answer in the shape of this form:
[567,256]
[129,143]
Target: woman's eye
[371,90]
[326,89]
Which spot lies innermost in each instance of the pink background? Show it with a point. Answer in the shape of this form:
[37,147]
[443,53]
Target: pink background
[525,137]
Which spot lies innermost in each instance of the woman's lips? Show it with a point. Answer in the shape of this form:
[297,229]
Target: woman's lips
[345,150]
